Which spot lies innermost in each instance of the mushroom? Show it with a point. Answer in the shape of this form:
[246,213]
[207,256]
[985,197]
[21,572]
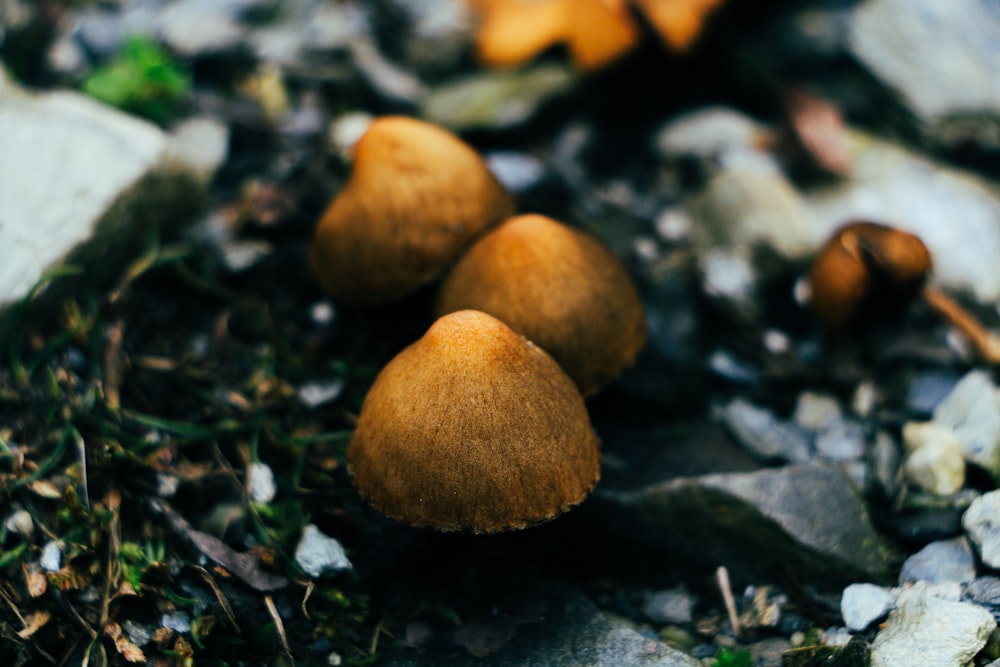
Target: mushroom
[416,198]
[473,428]
[559,287]
[868,270]
[595,31]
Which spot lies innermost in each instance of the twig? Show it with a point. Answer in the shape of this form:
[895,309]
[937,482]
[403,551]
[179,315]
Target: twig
[81,448]
[223,601]
[305,599]
[722,579]
[279,626]
[986,343]
[374,645]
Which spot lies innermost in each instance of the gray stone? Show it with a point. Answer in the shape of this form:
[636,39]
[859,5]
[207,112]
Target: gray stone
[982,523]
[201,145]
[941,562]
[841,440]
[50,559]
[891,184]
[930,632]
[669,607]
[200,27]
[763,434]
[558,627]
[728,274]
[984,591]
[864,604]
[749,521]
[972,411]
[77,180]
[439,32]
[318,554]
[497,100]
[942,58]
[928,388]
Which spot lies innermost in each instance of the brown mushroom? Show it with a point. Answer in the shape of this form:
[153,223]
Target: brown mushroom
[559,287]
[473,428]
[416,198]
[595,31]
[866,269]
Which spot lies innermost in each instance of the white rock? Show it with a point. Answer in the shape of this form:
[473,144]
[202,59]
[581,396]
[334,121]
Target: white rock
[863,604]
[942,562]
[260,480]
[931,632]
[709,133]
[72,171]
[201,145]
[315,394]
[972,411]
[198,27]
[940,56]
[51,558]
[318,554]
[20,522]
[934,460]
[982,523]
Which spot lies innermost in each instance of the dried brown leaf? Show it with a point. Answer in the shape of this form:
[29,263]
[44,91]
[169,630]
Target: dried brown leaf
[34,580]
[34,623]
[45,489]
[123,645]
[245,566]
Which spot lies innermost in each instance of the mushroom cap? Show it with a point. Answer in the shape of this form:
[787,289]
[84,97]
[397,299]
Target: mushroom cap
[596,31]
[473,428]
[417,197]
[559,287]
[866,269]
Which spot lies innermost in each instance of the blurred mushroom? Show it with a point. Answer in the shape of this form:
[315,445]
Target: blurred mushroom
[870,271]
[416,198]
[559,287]
[473,428]
[596,31]
[678,22]
[866,269]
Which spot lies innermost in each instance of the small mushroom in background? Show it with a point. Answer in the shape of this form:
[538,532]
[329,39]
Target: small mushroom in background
[559,287]
[473,428]
[869,271]
[416,198]
[596,32]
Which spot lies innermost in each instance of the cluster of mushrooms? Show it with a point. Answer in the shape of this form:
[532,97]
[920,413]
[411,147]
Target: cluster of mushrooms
[480,425]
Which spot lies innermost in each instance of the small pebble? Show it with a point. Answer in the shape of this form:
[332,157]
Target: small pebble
[51,558]
[815,411]
[177,621]
[315,394]
[517,172]
[318,554]
[939,562]
[673,225]
[934,461]
[864,604]
[20,522]
[669,607]
[322,313]
[261,481]
[983,527]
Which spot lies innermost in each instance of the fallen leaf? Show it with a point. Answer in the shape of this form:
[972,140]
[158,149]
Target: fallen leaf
[34,580]
[123,645]
[244,566]
[33,623]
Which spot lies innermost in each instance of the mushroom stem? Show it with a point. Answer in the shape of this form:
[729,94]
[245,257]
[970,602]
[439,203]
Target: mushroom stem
[986,343]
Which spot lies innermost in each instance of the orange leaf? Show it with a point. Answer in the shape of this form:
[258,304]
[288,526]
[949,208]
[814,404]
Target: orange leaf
[513,31]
